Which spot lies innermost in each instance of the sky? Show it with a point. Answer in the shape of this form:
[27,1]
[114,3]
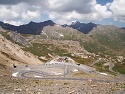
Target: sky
[107,12]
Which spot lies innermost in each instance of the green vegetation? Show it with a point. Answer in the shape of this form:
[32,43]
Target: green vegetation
[85,61]
[124,85]
[119,68]
[6,35]
[107,42]
[80,60]
[99,66]
[26,35]
[43,49]
[66,83]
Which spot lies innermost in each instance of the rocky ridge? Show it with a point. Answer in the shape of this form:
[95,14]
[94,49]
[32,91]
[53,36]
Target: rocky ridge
[12,54]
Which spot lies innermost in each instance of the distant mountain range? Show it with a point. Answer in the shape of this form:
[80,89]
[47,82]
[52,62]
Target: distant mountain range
[36,28]
[30,28]
[84,28]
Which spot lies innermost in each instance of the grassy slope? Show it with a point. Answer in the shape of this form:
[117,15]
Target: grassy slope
[119,68]
[107,42]
[42,49]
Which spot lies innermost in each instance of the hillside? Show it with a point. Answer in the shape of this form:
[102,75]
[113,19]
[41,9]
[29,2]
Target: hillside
[105,42]
[106,39]
[11,53]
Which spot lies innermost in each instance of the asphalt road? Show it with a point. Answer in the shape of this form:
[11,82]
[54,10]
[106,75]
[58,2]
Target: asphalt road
[40,73]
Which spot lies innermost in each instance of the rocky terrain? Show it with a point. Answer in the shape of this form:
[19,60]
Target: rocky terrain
[24,86]
[101,46]
[11,53]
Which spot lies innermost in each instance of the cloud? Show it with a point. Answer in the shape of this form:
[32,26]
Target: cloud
[16,23]
[29,15]
[83,10]
[14,2]
[64,11]
[19,13]
[80,6]
[118,9]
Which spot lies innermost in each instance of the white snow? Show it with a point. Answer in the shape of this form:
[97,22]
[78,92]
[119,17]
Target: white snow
[75,70]
[103,74]
[44,34]
[61,35]
[55,73]
[58,73]
[37,76]
[73,22]
[15,74]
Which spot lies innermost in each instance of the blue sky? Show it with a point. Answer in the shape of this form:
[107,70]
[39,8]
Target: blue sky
[103,2]
[107,12]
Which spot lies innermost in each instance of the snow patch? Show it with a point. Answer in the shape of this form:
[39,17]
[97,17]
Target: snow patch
[37,76]
[75,70]
[55,73]
[44,34]
[103,73]
[15,74]
[58,73]
[61,35]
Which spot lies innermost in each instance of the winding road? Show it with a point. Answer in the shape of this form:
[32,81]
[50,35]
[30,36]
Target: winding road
[57,70]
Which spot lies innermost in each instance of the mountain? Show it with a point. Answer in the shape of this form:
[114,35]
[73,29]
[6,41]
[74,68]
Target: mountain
[36,28]
[8,26]
[100,41]
[107,39]
[94,38]
[123,28]
[84,28]
[30,28]
[11,53]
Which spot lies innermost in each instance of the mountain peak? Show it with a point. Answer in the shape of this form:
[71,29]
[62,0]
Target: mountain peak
[83,27]
[49,22]
[75,22]
[31,22]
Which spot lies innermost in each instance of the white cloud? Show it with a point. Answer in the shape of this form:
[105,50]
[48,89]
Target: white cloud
[118,9]
[29,15]
[16,23]
[80,6]
[96,12]
[102,11]
[16,12]
[61,21]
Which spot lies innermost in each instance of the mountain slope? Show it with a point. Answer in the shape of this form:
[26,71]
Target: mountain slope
[106,39]
[11,53]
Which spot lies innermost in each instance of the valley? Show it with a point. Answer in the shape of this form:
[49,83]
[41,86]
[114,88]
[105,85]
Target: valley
[55,56]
